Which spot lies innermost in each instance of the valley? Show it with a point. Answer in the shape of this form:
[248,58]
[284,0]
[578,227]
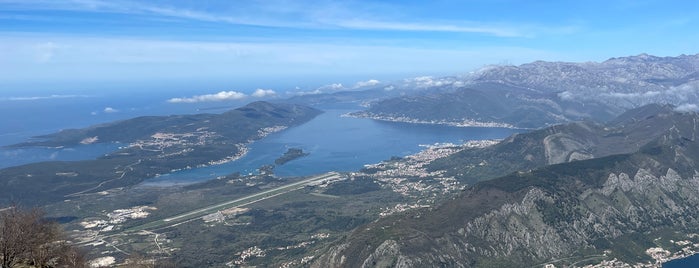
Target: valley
[515,178]
[349,134]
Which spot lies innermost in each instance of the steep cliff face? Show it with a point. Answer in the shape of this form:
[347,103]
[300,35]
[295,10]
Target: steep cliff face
[609,207]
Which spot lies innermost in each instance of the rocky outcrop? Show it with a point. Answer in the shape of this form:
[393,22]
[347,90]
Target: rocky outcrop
[613,207]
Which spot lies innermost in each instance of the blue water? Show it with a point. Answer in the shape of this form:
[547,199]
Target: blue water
[24,115]
[15,157]
[689,262]
[336,143]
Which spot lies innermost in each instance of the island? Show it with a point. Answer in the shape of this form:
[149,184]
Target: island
[291,154]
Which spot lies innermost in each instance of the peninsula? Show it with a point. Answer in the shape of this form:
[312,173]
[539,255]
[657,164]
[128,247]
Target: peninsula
[153,145]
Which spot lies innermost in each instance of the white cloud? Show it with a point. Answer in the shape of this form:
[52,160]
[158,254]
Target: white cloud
[221,96]
[428,27]
[110,110]
[313,92]
[335,86]
[47,97]
[368,83]
[298,14]
[86,58]
[428,81]
[421,80]
[647,94]
[688,107]
[566,95]
[261,93]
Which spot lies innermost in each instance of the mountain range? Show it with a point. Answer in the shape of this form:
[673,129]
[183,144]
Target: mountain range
[542,93]
[559,195]
[606,174]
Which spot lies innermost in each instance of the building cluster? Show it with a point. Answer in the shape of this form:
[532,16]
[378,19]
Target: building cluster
[116,217]
[269,130]
[659,255]
[409,176]
[222,215]
[400,208]
[252,252]
[257,252]
[334,177]
[161,141]
[465,122]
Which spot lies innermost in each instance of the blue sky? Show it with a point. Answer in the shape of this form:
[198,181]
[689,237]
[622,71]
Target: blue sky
[293,42]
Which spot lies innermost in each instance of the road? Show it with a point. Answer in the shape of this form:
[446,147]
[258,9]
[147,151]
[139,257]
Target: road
[198,213]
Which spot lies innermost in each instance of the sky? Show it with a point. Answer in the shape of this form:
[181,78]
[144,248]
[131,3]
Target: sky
[286,43]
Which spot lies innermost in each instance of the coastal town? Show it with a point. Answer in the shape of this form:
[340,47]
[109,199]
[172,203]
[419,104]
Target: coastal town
[166,145]
[406,176]
[465,122]
[409,176]
[688,247]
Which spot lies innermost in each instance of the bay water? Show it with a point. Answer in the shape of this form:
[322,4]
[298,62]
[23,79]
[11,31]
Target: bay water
[689,262]
[334,142]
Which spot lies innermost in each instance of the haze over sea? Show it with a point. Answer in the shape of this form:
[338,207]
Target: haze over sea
[335,143]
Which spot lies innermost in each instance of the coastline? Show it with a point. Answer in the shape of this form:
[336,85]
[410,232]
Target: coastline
[680,258]
[660,255]
[242,150]
[405,119]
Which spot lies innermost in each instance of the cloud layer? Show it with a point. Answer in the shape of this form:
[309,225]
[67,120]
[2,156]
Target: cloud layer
[261,93]
[368,83]
[221,96]
[689,107]
[382,39]
[47,97]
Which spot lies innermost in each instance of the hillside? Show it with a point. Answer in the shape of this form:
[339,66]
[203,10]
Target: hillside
[563,143]
[151,145]
[541,93]
[609,207]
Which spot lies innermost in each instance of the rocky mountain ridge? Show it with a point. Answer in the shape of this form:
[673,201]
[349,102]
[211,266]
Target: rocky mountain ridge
[542,93]
[565,143]
[603,208]
[628,82]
